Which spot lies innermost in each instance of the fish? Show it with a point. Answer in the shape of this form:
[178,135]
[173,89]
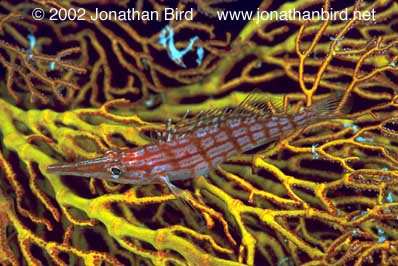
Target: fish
[195,146]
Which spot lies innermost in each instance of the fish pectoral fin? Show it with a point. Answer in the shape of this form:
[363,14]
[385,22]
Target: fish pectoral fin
[184,199]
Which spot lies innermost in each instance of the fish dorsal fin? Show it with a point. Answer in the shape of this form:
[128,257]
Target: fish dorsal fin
[203,118]
[164,135]
[255,104]
[159,133]
[328,105]
[259,104]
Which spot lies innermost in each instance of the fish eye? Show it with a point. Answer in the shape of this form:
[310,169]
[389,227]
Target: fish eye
[115,172]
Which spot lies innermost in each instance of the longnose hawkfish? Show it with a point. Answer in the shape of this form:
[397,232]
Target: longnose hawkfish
[194,146]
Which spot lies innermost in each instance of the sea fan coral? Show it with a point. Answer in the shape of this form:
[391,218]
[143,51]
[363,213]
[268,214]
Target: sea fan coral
[75,87]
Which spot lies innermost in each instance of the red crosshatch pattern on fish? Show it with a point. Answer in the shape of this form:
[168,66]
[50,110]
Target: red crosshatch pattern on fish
[195,146]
